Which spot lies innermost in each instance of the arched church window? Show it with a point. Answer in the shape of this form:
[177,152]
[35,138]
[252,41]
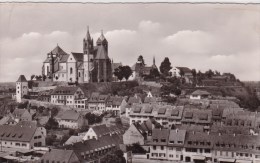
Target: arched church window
[79,74]
[71,70]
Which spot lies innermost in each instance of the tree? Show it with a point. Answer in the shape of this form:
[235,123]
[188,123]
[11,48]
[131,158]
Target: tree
[32,76]
[51,124]
[209,73]
[119,73]
[165,66]
[154,73]
[137,148]
[182,73]
[127,72]
[194,73]
[44,77]
[141,59]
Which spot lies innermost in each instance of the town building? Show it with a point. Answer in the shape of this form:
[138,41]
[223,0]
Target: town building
[98,102]
[114,104]
[21,115]
[92,65]
[71,96]
[135,134]
[71,119]
[61,156]
[98,131]
[24,135]
[199,94]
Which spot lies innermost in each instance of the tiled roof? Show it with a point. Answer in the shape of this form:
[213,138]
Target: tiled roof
[58,51]
[19,112]
[200,92]
[133,100]
[101,130]
[74,139]
[177,136]
[91,145]
[78,56]
[115,100]
[22,133]
[21,79]
[58,155]
[68,115]
[65,90]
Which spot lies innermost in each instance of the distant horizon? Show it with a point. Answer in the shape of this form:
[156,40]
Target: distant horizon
[183,32]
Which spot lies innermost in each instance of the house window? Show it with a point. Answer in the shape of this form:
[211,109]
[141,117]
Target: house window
[71,71]
[162,147]
[154,147]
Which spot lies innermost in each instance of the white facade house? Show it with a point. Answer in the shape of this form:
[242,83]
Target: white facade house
[21,88]
[114,104]
[22,136]
[69,95]
[199,94]
[98,131]
[71,119]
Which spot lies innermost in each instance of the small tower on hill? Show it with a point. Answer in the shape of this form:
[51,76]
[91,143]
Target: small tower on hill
[21,88]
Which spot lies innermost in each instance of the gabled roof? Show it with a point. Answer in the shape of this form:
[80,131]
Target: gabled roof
[65,90]
[21,79]
[200,92]
[58,51]
[177,135]
[19,132]
[78,56]
[19,112]
[102,130]
[61,155]
[92,145]
[101,53]
[68,115]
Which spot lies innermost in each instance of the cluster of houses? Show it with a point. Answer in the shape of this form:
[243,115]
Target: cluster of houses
[200,127]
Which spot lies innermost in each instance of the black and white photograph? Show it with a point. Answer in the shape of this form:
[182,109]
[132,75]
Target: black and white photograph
[129,82]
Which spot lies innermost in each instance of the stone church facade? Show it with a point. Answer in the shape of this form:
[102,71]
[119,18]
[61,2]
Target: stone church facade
[93,65]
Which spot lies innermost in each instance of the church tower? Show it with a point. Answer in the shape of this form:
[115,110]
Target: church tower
[21,88]
[88,50]
[102,62]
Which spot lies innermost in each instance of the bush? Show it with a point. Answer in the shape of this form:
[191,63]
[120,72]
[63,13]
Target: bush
[137,148]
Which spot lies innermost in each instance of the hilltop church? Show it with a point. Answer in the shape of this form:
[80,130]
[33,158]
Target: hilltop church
[93,65]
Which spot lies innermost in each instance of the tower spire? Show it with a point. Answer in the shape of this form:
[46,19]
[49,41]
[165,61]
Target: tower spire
[153,60]
[88,34]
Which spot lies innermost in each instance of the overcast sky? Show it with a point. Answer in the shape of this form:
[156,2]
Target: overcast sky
[202,36]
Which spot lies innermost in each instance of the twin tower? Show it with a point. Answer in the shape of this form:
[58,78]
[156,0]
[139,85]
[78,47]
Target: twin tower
[97,65]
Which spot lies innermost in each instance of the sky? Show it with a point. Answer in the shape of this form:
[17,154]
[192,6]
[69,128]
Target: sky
[222,37]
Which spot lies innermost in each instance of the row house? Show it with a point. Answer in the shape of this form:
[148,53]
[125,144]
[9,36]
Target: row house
[115,103]
[243,119]
[23,135]
[197,117]
[198,147]
[71,119]
[97,101]
[71,96]
[166,115]
[92,150]
[98,131]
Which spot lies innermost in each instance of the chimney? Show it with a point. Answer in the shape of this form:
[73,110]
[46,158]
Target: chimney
[177,130]
[208,132]
[219,134]
[234,134]
[193,132]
